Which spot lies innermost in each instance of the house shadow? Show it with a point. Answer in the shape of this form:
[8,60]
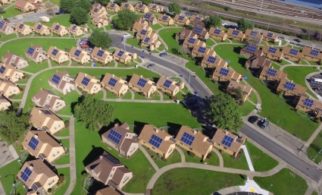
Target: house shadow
[105,128]
[209,130]
[242,61]
[95,186]
[93,155]
[237,49]
[173,128]
[128,78]
[138,126]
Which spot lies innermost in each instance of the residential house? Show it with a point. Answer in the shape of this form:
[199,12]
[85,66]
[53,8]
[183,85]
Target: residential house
[270,36]
[62,82]
[47,99]
[201,32]
[194,141]
[6,28]
[76,30]
[235,87]
[258,62]
[140,7]
[42,145]
[127,6]
[108,191]
[273,53]
[124,57]
[150,18]
[142,85]
[8,88]
[182,20]
[59,29]
[196,20]
[253,36]
[169,86]
[212,61]
[37,177]
[4,103]
[79,55]
[57,55]
[98,14]
[156,8]
[36,53]
[184,34]
[114,84]
[87,83]
[25,6]
[289,88]
[235,34]
[225,74]
[102,56]
[309,105]
[100,22]
[191,42]
[4,2]
[41,29]
[292,54]
[114,7]
[151,41]
[312,54]
[217,34]
[121,139]
[157,140]
[228,142]
[249,50]
[268,73]
[144,32]
[13,60]
[200,50]
[140,25]
[44,119]
[109,171]
[23,29]
[166,20]
[10,73]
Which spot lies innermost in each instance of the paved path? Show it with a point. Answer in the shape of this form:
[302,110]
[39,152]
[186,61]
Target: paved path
[248,159]
[72,156]
[312,138]
[148,157]
[62,166]
[221,160]
[182,156]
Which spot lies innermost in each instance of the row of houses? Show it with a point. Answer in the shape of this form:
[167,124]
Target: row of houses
[28,5]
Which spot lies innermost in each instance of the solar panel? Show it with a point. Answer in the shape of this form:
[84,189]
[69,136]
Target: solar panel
[167,83]
[224,71]
[315,52]
[114,136]
[253,33]
[155,141]
[21,26]
[77,53]
[181,17]
[143,32]
[30,50]
[146,40]
[251,48]
[211,59]
[100,53]
[25,174]
[272,50]
[47,112]
[39,26]
[191,40]
[57,27]
[112,82]
[54,52]
[289,85]
[187,138]
[147,15]
[217,31]
[165,17]
[2,23]
[55,79]
[2,69]
[271,72]
[227,141]
[141,82]
[33,143]
[269,34]
[120,53]
[197,30]
[235,32]
[294,52]
[201,49]
[85,81]
[308,102]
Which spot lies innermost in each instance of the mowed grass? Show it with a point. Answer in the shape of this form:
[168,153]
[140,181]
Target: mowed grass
[314,152]
[62,187]
[193,181]
[284,182]
[134,42]
[10,12]
[168,36]
[174,158]
[274,107]
[62,19]
[237,163]
[8,178]
[261,161]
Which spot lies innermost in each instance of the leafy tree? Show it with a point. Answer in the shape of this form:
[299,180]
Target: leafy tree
[93,112]
[66,5]
[124,20]
[245,24]
[119,2]
[85,4]
[224,111]
[100,39]
[146,2]
[78,16]
[175,8]
[103,2]
[213,21]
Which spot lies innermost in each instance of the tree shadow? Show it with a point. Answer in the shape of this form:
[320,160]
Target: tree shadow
[93,155]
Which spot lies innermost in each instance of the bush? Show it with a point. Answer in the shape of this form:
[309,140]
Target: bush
[174,8]
[100,39]
[78,16]
[124,20]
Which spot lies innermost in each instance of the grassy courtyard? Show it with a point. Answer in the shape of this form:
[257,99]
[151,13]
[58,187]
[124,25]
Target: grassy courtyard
[314,152]
[261,161]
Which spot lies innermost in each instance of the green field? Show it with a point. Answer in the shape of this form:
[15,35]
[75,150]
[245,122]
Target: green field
[10,12]
[261,161]
[174,158]
[314,152]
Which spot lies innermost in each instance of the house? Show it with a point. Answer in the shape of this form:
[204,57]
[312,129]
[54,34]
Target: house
[201,32]
[36,53]
[157,140]
[156,8]
[166,20]
[292,54]
[218,34]
[57,55]
[249,50]
[8,88]
[270,36]
[114,84]
[4,103]
[25,6]
[235,87]
[10,73]
[100,21]
[144,32]
[87,83]
[273,53]
[268,73]
[108,191]
[6,28]
[228,142]
[42,145]
[184,34]
[194,141]
[127,6]
[151,41]
[98,14]
[169,86]
[140,7]
[102,56]
[309,105]
[140,25]
[123,56]
[200,50]
[253,36]
[196,20]
[181,20]
[79,55]
[257,62]
[225,74]
[289,88]
[44,119]
[150,18]
[47,99]
[211,60]
[41,29]
[62,82]
[23,29]
[312,54]
[4,2]
[191,42]
[13,60]
[114,7]
[59,30]
[142,85]
[37,177]
[121,139]
[109,171]
[76,30]
[235,34]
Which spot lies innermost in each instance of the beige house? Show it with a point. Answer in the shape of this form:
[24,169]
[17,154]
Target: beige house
[292,54]
[218,34]
[121,139]
[234,34]
[127,6]
[59,29]
[140,7]
[151,41]
[8,89]
[124,57]
[181,20]
[87,83]
[312,54]
[268,73]
[41,29]
[79,55]
[139,25]
[250,50]
[100,21]
[98,10]
[184,34]
[109,171]
[156,8]
[157,140]
[57,55]
[228,142]
[76,30]
[3,2]
[114,7]
[4,103]
[270,36]
[23,29]
[150,18]
[102,56]
[42,145]
[144,32]
[10,73]
[309,105]
[200,50]
[196,20]
[37,177]
[62,82]
[258,62]
[114,84]
[194,142]
[289,88]
[108,191]
[13,60]
[142,85]
[225,74]
[166,20]
[211,60]
[169,86]
[36,53]
[234,86]
[47,99]
[25,6]
[273,53]
[253,36]
[191,42]
[6,28]
[201,32]
[43,119]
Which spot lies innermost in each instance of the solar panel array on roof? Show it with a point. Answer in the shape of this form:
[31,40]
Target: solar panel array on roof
[85,81]
[143,32]
[2,22]
[57,27]
[30,50]
[54,52]
[112,82]
[25,174]
[272,49]
[201,49]
[227,141]
[46,112]
[187,138]
[181,17]
[120,53]
[289,85]
[269,34]
[211,59]
[2,69]
[315,52]
[146,40]
[141,82]
[217,31]
[253,33]
[100,53]
[251,48]
[197,30]
[191,40]
[21,26]
[147,15]
[39,26]
[155,141]
[235,32]
[167,83]
[77,52]
[114,136]
[271,72]
[33,143]
[224,71]
[294,52]
[308,102]
[55,79]
[165,17]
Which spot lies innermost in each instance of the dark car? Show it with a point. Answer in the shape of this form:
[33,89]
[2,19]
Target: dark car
[263,123]
[163,54]
[252,119]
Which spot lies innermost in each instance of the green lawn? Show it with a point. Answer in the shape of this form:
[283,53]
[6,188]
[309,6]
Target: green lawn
[272,105]
[62,19]
[10,12]
[237,163]
[174,158]
[8,177]
[315,148]
[284,182]
[4,37]
[212,158]
[133,41]
[261,161]
[156,27]
[61,188]
[168,35]
[193,181]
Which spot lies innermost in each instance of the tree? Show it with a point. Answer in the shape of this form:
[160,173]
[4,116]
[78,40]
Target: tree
[119,2]
[103,2]
[174,8]
[245,24]
[100,39]
[78,16]
[124,20]
[213,21]
[95,113]
[224,112]
[146,2]
[85,4]
[66,5]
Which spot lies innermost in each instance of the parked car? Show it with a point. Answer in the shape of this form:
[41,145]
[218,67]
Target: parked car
[263,123]
[162,54]
[252,119]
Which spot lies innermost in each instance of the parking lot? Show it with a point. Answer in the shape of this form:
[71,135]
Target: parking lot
[7,154]
[315,82]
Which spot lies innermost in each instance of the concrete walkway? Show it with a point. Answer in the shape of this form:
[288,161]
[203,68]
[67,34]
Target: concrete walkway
[312,138]
[248,159]
[221,160]
[72,157]
[148,157]
[182,156]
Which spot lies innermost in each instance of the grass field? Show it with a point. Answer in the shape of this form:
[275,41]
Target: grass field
[10,12]
[8,177]
[133,41]
[261,161]
[174,158]
[238,163]
[314,152]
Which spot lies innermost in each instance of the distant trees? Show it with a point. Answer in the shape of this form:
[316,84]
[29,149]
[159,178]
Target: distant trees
[213,21]
[146,2]
[66,5]
[119,2]
[100,39]
[245,24]
[174,8]
[124,20]
[103,2]
[78,16]
[85,4]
